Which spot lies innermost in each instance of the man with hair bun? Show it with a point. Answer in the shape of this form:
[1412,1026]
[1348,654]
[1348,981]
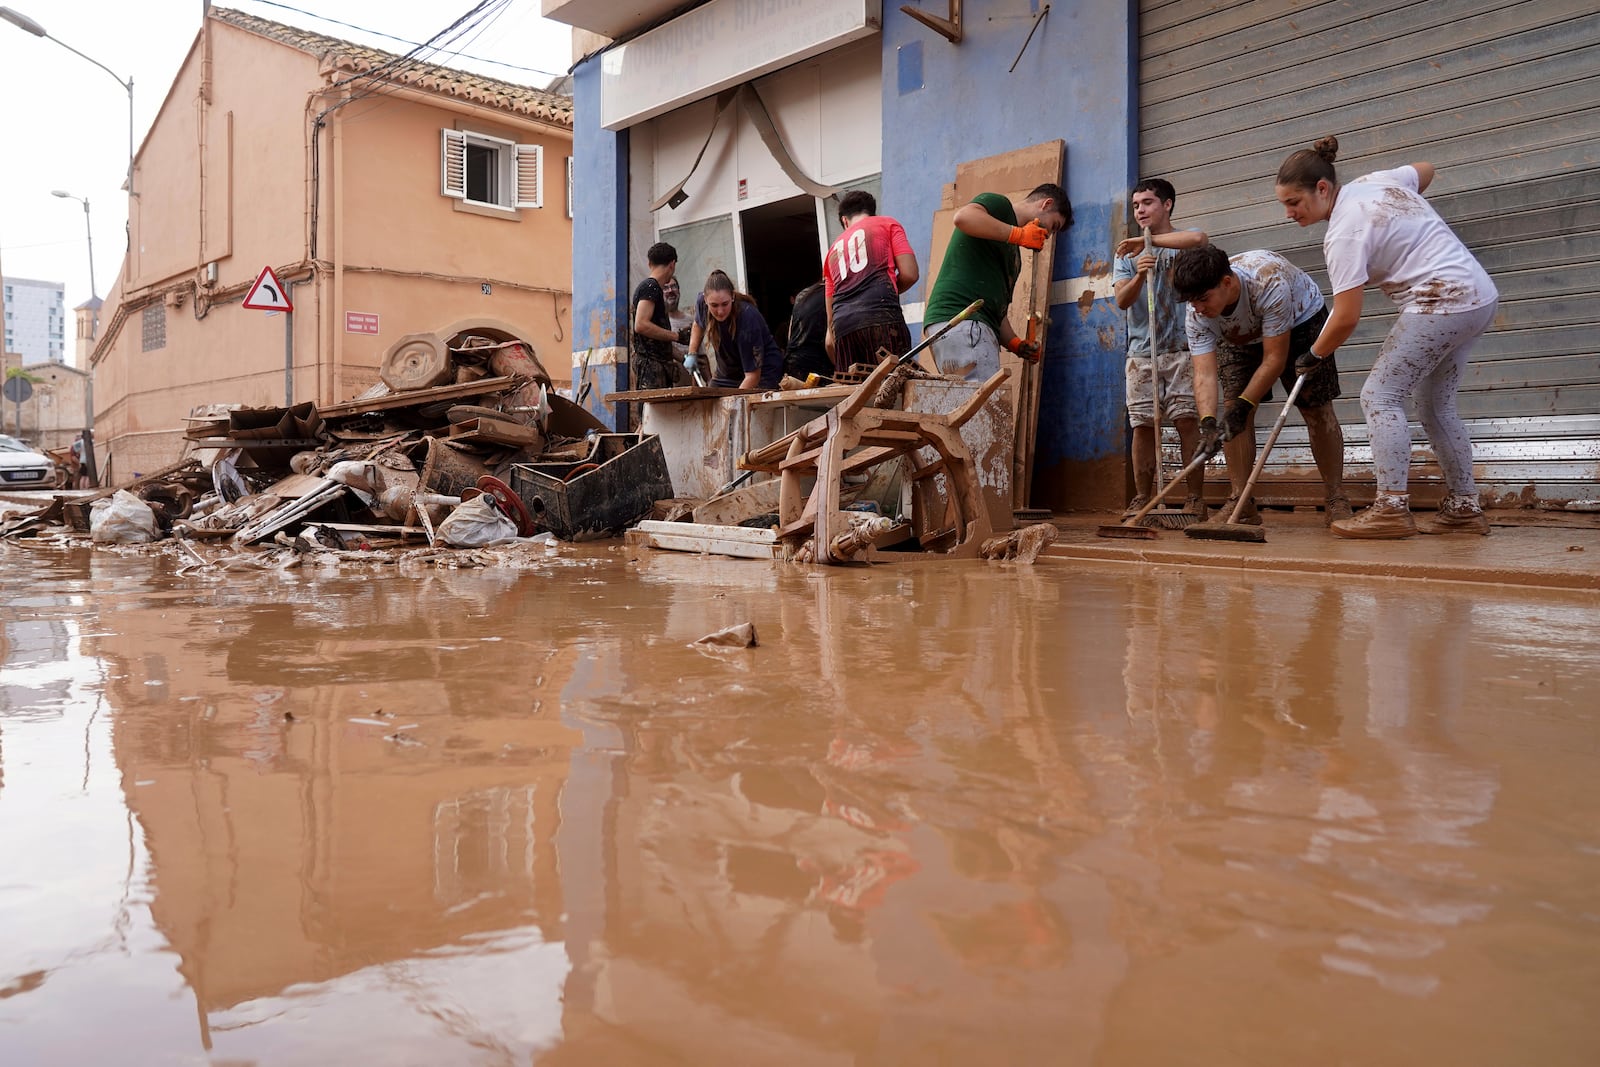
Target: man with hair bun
[1381,231]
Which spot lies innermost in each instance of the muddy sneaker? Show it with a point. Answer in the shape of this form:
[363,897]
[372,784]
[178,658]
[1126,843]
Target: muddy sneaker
[1197,507]
[1383,521]
[1134,505]
[1456,516]
[1335,509]
[1249,517]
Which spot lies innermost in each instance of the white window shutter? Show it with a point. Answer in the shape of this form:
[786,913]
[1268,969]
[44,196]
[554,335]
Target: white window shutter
[453,164]
[569,187]
[530,175]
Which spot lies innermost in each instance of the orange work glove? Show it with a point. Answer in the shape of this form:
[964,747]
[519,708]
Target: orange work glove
[1030,236]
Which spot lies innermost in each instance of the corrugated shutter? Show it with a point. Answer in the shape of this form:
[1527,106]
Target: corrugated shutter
[530,176]
[453,163]
[1502,97]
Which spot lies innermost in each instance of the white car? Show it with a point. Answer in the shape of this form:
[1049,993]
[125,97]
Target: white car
[23,468]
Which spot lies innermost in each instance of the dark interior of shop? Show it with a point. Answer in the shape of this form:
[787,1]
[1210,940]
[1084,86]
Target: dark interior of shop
[781,256]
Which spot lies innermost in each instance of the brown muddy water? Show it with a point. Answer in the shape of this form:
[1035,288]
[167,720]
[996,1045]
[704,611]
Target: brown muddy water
[944,814]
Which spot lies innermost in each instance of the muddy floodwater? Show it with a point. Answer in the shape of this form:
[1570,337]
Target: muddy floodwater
[942,814]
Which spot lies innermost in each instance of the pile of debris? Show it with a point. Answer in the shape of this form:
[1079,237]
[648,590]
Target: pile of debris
[463,442]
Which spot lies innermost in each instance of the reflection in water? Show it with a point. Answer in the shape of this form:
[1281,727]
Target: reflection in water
[948,813]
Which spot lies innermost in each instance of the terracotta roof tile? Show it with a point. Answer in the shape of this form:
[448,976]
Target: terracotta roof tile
[341,55]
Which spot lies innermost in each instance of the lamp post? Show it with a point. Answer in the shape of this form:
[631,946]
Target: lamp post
[88,230]
[23,22]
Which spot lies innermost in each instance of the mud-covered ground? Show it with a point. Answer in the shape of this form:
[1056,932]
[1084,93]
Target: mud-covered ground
[1073,813]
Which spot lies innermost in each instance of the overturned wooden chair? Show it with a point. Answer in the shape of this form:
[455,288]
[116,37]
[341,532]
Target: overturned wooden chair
[852,438]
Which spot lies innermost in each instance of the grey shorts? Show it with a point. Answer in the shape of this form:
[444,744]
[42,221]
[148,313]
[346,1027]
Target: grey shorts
[1177,388]
[970,351]
[1236,364]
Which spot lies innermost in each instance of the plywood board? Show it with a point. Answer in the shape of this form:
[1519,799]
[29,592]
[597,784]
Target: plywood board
[1013,175]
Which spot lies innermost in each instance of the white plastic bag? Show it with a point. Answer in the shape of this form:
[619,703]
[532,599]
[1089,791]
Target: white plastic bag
[475,524]
[124,519]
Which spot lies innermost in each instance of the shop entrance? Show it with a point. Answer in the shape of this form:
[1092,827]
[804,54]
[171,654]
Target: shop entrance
[782,255]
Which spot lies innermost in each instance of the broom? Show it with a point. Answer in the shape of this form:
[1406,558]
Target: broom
[1133,529]
[1167,518]
[1233,529]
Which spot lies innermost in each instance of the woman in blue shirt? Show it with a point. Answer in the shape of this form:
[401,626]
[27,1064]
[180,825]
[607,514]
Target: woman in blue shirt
[747,357]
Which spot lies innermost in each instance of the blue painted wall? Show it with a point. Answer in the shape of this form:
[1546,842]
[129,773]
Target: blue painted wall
[599,248]
[942,104]
[1077,82]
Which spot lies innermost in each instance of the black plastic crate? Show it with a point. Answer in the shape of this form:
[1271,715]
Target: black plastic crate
[615,485]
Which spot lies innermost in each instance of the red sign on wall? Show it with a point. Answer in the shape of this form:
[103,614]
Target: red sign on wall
[361,322]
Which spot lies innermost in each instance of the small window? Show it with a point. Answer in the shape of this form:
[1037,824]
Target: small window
[479,169]
[155,327]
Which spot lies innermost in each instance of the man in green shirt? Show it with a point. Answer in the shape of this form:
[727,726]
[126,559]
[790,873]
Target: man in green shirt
[984,260]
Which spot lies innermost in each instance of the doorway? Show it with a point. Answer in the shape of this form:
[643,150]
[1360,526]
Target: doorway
[782,255]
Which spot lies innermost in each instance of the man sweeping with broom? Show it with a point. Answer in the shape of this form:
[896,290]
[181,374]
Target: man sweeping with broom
[1250,317]
[1161,372]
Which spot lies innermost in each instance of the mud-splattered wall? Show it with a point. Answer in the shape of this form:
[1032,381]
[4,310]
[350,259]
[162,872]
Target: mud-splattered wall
[944,103]
[599,249]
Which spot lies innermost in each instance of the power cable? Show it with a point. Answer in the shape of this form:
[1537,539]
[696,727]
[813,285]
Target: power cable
[402,40]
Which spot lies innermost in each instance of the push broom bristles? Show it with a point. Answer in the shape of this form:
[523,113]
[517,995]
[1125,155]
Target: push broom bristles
[1227,531]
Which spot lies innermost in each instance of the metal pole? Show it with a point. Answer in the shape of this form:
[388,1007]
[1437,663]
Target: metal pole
[88,230]
[288,346]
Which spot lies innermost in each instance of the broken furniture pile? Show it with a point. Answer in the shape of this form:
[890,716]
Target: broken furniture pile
[436,446]
[818,507]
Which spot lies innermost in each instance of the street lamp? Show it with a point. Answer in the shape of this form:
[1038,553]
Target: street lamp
[23,22]
[89,232]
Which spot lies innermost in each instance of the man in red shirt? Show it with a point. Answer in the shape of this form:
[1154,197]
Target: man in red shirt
[866,270]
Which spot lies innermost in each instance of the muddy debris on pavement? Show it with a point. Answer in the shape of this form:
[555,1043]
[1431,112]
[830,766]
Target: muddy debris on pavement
[451,427]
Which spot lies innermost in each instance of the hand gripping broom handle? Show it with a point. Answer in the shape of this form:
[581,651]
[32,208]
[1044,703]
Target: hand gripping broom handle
[1266,450]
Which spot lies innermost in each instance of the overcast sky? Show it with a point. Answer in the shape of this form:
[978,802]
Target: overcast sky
[65,122]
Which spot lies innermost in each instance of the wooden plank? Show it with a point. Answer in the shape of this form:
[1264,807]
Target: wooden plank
[701,544]
[256,442]
[730,509]
[418,397]
[677,394]
[747,534]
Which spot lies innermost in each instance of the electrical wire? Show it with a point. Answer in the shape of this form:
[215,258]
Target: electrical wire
[402,40]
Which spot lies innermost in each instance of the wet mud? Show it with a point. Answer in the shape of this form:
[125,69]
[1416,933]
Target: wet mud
[949,813]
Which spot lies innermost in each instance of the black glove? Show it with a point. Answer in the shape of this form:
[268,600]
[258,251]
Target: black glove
[1308,362]
[683,335]
[1237,414]
[1210,436]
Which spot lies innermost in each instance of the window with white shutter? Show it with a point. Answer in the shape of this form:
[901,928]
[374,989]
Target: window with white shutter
[530,175]
[477,168]
[569,187]
[453,164]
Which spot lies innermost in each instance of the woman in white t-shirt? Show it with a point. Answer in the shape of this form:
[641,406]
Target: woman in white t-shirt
[1381,231]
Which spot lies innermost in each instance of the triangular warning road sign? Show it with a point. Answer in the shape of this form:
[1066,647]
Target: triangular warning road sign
[266,294]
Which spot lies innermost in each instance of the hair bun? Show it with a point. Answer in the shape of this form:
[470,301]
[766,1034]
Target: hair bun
[1327,147]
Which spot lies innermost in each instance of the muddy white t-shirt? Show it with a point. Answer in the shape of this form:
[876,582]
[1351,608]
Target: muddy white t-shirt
[1275,296]
[1382,231]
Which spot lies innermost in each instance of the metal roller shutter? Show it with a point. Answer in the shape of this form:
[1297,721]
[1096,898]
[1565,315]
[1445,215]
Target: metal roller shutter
[1504,98]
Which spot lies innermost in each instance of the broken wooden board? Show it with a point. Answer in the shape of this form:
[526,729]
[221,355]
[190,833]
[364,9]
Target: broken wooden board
[676,394]
[495,431]
[419,397]
[742,542]
[730,509]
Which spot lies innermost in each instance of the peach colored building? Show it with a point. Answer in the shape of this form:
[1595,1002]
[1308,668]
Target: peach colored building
[388,196]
